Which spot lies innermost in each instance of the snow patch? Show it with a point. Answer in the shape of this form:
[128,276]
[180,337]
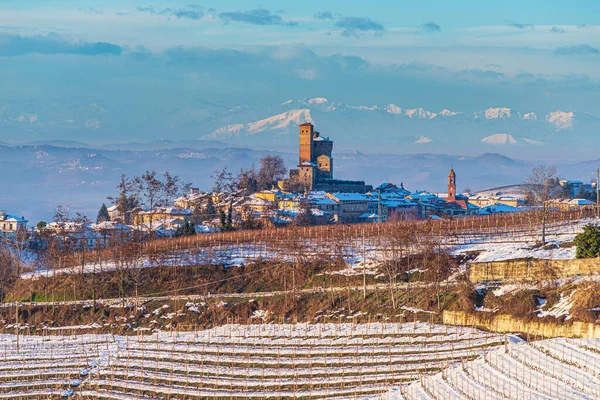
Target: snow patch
[423,140]
[560,119]
[393,109]
[529,116]
[499,138]
[419,113]
[447,113]
[317,100]
[560,309]
[282,121]
[497,113]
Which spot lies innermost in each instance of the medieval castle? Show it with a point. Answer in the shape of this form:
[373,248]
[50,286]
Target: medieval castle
[315,166]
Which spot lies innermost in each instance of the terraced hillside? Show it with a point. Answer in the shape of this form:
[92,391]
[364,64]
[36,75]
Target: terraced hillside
[548,370]
[236,361]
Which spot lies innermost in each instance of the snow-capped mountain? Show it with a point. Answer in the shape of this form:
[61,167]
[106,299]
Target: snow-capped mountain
[282,124]
[423,140]
[495,113]
[420,113]
[390,127]
[317,103]
[393,109]
[560,119]
[528,116]
[447,113]
[506,139]
[504,113]
[499,138]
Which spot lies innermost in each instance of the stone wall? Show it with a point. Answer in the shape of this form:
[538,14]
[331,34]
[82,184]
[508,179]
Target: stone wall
[532,269]
[508,324]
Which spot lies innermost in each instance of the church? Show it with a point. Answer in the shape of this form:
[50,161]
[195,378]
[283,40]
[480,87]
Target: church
[458,204]
[315,166]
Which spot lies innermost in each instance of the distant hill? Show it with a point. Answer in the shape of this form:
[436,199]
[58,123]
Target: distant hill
[40,177]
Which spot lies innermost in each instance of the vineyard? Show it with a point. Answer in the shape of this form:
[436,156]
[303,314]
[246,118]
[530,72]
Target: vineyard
[236,361]
[396,361]
[547,369]
[347,250]
[344,361]
[354,243]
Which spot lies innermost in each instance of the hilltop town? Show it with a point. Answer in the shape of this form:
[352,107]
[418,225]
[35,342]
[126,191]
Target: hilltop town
[312,200]
[309,195]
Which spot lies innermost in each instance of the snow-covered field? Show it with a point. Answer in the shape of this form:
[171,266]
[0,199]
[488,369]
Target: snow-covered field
[251,361]
[507,246]
[549,369]
[369,361]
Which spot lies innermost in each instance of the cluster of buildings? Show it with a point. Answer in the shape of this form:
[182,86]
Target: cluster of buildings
[310,189]
[312,186]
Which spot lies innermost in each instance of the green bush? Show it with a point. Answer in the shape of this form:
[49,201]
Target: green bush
[588,242]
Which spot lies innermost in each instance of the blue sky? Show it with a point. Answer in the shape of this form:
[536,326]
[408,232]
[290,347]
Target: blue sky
[373,30]
[175,55]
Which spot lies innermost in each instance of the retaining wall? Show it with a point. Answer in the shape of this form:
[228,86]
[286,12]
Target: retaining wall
[504,323]
[532,269]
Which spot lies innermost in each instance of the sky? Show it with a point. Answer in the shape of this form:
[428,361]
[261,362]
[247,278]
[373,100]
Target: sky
[141,57]
[380,31]
[106,71]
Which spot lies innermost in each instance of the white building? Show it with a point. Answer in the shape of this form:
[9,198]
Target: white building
[11,223]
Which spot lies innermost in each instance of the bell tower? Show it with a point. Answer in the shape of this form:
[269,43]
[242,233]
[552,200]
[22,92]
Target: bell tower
[451,186]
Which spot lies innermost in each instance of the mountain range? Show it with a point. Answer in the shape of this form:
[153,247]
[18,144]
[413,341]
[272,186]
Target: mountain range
[531,133]
[410,130]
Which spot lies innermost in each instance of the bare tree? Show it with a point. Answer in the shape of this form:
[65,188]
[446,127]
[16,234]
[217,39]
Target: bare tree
[80,223]
[151,191]
[15,246]
[540,189]
[172,187]
[272,168]
[9,267]
[225,184]
[223,181]
[247,180]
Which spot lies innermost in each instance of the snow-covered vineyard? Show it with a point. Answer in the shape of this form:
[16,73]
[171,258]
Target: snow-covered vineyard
[361,256]
[549,369]
[367,361]
[236,361]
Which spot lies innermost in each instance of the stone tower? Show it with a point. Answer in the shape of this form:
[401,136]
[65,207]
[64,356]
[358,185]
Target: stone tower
[451,186]
[306,143]
[322,149]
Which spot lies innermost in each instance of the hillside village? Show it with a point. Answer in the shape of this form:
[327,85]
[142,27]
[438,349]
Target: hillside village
[309,196]
[172,227]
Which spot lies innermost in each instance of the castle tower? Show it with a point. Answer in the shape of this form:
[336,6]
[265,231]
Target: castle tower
[322,149]
[306,143]
[451,186]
